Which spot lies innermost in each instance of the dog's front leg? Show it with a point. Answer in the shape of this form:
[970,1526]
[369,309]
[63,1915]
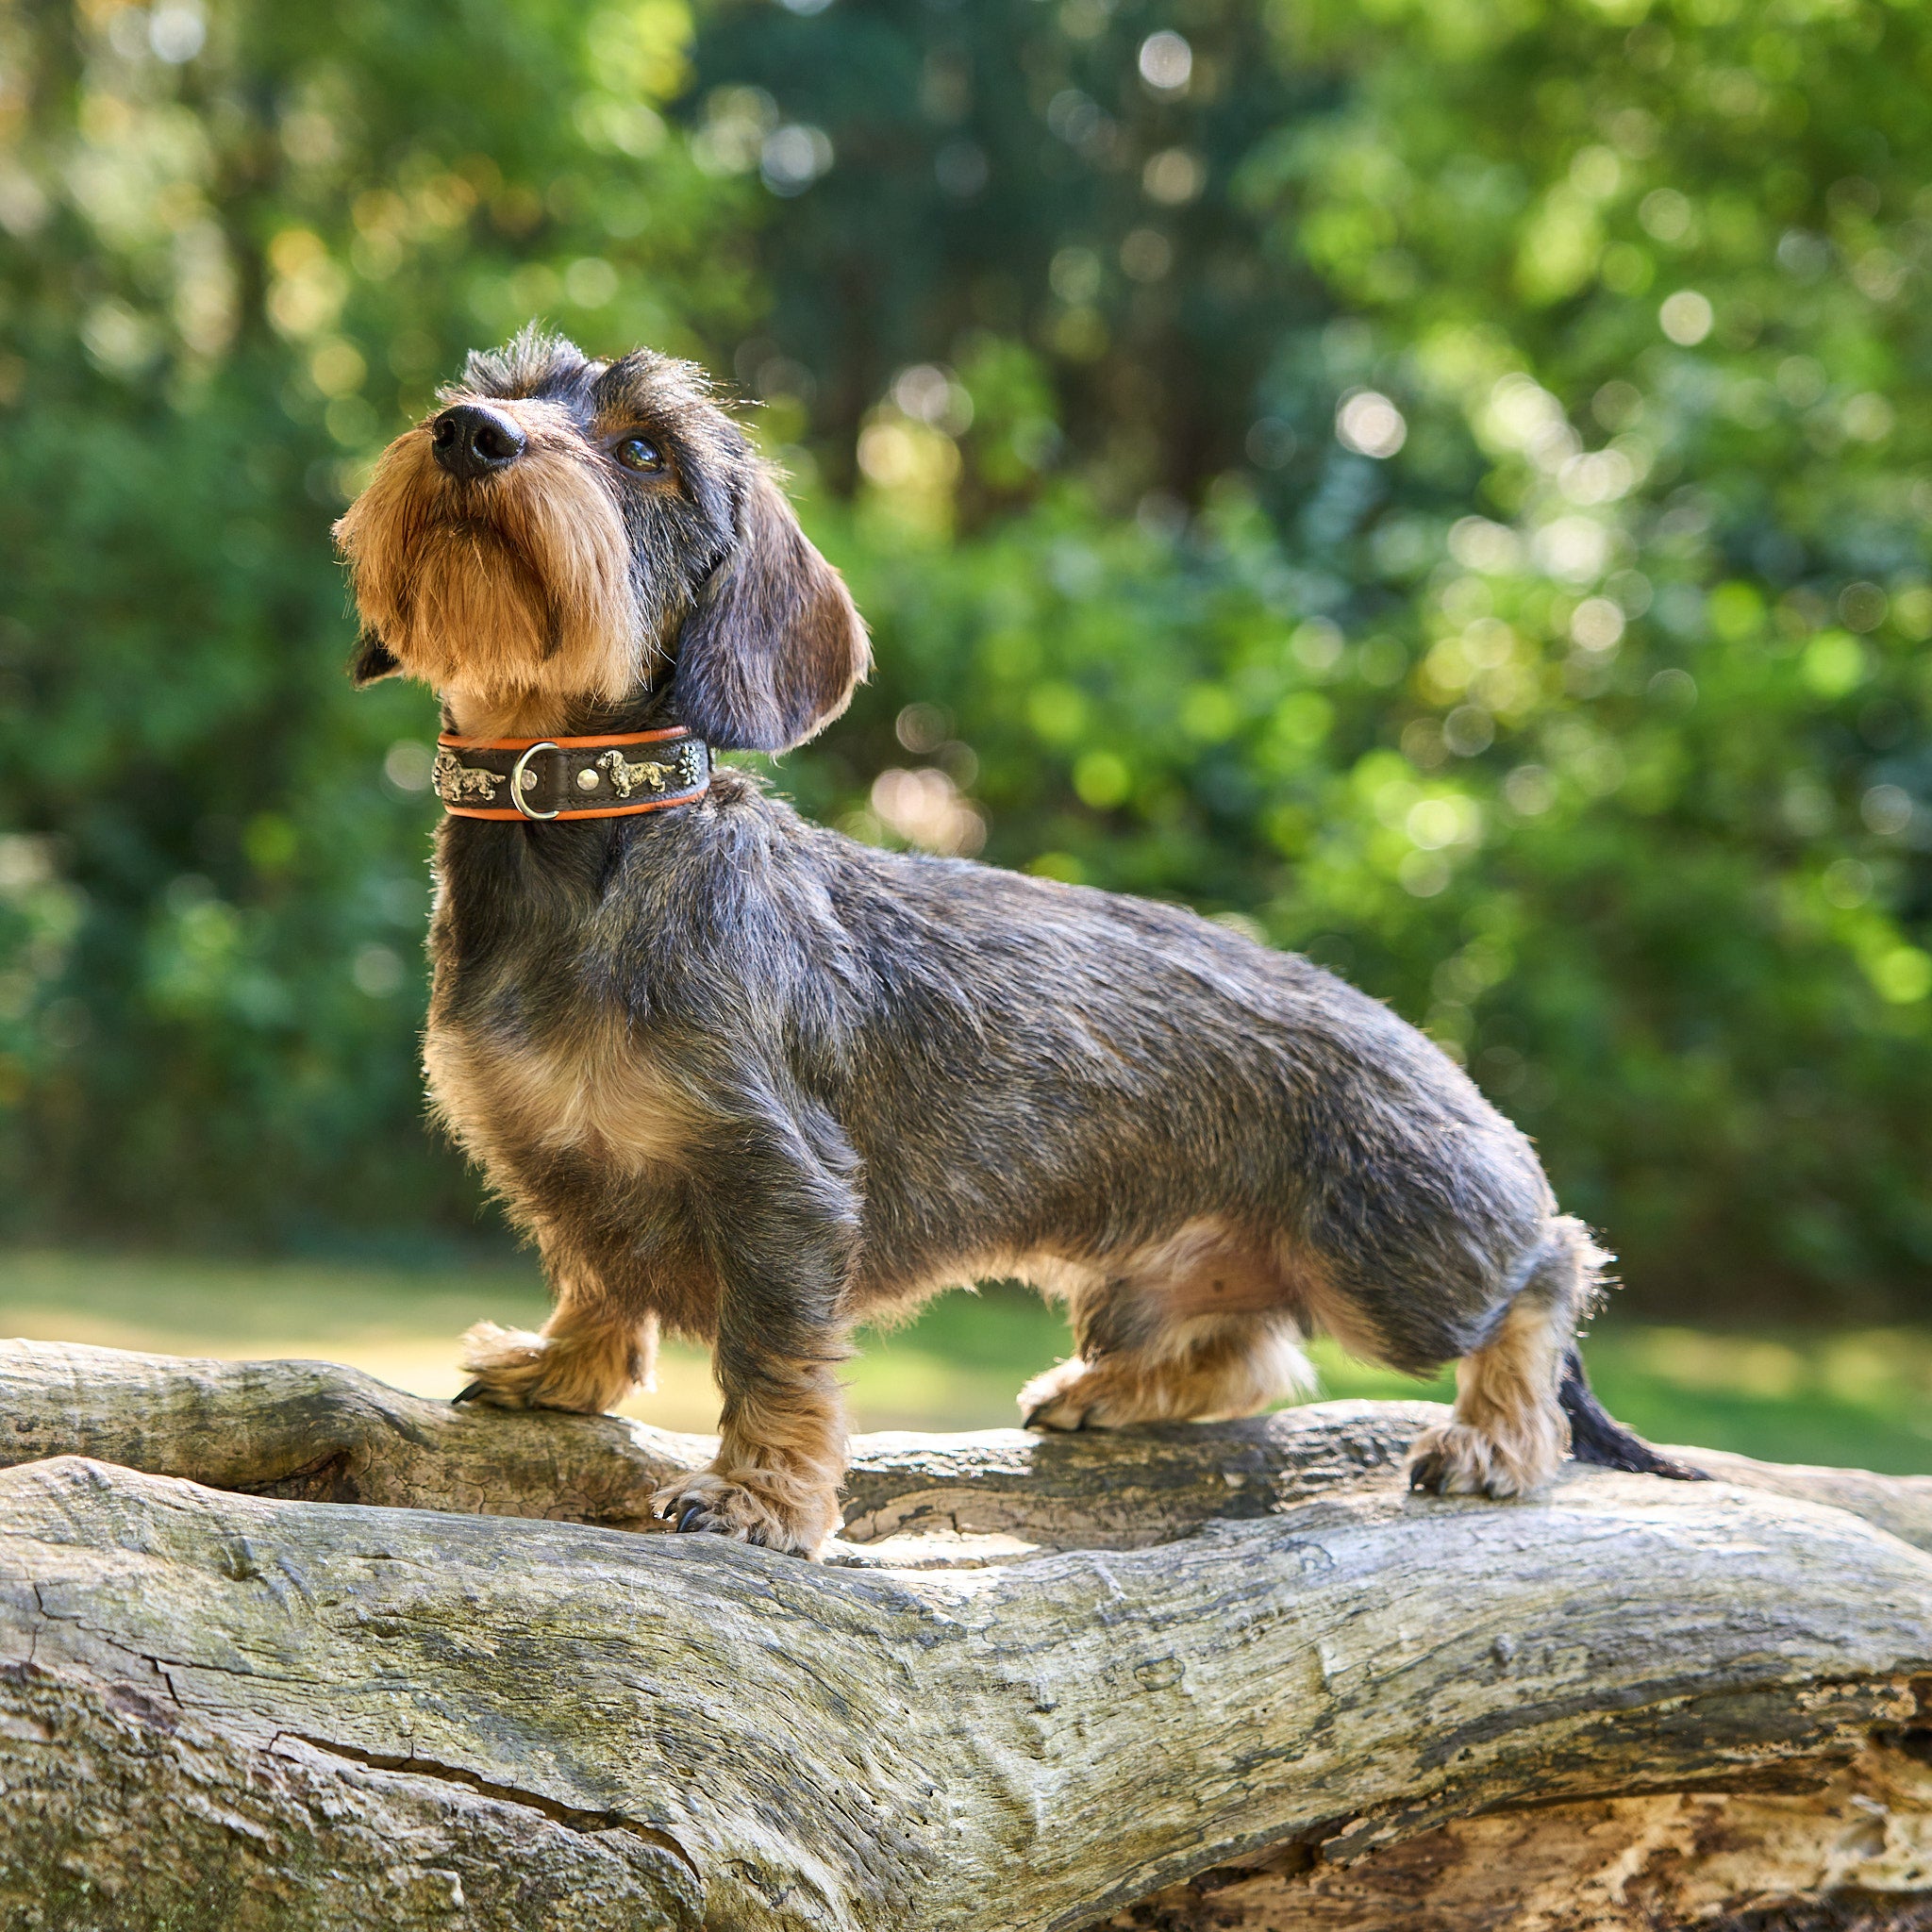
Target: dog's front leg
[599,1343]
[782,1219]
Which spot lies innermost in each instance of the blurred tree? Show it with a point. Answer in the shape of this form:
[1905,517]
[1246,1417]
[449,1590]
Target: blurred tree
[1443,485]
[1015,172]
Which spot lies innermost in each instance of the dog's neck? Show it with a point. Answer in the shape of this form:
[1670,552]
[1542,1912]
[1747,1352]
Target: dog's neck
[545,714]
[505,714]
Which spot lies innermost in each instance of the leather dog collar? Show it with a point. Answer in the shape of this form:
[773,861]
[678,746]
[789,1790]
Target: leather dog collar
[570,777]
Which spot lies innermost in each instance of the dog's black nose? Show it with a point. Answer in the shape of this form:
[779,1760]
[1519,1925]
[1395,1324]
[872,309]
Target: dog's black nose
[470,441]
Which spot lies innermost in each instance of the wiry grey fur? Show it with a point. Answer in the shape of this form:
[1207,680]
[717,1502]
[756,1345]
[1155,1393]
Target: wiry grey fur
[877,1072]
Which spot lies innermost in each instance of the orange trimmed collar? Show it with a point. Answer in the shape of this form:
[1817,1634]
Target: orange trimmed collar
[555,779]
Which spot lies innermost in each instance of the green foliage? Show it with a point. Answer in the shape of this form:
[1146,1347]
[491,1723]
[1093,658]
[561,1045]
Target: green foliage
[1442,484]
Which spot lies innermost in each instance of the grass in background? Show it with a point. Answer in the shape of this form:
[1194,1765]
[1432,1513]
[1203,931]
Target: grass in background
[1860,1397]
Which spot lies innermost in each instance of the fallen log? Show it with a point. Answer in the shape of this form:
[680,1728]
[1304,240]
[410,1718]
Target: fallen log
[281,1647]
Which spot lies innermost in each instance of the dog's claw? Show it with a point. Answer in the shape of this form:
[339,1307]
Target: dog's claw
[1035,1418]
[468,1394]
[1425,1475]
[692,1512]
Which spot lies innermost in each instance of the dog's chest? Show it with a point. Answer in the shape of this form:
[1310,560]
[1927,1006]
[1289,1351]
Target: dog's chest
[594,1091]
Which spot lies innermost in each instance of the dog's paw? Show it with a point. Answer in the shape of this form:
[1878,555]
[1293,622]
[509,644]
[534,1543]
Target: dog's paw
[763,1507]
[1070,1395]
[505,1364]
[1455,1459]
[512,1368]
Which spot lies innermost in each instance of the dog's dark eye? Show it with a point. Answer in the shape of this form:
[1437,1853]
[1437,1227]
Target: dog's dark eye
[640,452]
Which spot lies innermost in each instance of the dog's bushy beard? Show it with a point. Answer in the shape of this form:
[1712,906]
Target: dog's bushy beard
[514,584]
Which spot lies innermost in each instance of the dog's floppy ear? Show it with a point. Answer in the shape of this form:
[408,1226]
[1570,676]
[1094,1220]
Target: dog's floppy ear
[371,661]
[773,642]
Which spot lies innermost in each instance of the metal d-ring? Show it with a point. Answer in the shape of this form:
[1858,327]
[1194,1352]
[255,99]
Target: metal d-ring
[517,773]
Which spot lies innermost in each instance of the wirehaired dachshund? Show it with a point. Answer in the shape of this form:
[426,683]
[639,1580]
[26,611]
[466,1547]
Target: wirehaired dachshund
[744,1078]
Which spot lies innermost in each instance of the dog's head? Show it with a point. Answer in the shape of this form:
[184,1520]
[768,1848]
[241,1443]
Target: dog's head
[565,531]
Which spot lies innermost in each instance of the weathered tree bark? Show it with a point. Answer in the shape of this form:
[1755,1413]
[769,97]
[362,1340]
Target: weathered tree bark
[282,1648]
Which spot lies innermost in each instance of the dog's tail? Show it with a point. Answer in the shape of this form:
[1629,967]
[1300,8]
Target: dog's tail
[1598,1437]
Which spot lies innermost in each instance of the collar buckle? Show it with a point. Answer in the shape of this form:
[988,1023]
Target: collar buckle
[523,779]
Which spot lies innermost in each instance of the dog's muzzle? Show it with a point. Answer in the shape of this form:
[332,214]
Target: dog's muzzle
[543,778]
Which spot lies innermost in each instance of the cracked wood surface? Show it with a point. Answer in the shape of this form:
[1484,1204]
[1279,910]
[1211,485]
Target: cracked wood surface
[1855,1853]
[421,1676]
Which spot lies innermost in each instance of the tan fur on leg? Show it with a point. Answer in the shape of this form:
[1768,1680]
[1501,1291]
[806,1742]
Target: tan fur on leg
[1208,1369]
[1195,1327]
[775,1481]
[1507,1436]
[585,1361]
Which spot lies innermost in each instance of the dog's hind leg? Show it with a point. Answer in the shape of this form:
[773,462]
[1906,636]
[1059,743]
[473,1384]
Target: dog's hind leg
[1197,1326]
[1522,1399]
[1207,1370]
[1508,1433]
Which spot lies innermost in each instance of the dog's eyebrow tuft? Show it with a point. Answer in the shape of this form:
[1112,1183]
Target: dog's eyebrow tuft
[533,362]
[660,386]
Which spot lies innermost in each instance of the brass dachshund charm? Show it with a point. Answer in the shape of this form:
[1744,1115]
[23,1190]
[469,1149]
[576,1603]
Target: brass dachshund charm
[456,783]
[626,778]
